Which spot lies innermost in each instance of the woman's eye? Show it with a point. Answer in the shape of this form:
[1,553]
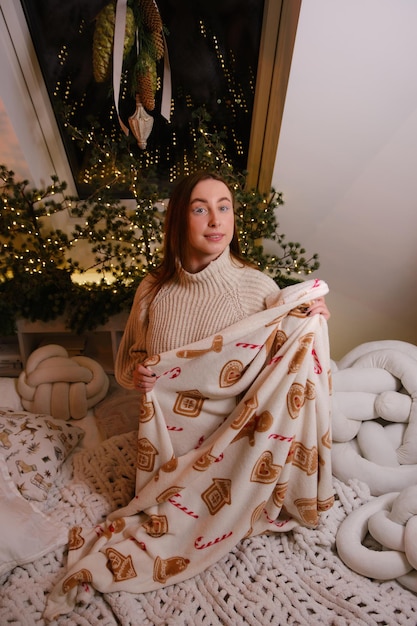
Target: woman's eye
[199,210]
[225,208]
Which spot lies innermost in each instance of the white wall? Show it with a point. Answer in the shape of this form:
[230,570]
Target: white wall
[347,163]
[26,116]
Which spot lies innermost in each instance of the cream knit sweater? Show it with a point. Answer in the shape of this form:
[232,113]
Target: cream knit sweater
[191,308]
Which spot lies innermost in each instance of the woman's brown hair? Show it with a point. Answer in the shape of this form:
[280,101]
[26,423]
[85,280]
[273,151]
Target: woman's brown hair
[176,227]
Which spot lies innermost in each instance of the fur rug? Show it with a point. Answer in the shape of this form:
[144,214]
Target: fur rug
[292,578]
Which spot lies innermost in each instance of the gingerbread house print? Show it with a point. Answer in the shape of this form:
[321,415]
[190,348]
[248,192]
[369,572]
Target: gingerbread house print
[146,455]
[217,495]
[189,403]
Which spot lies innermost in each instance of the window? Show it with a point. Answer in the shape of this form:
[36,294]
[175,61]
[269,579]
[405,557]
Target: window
[232,56]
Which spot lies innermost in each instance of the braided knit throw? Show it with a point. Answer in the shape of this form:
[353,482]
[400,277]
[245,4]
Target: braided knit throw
[291,578]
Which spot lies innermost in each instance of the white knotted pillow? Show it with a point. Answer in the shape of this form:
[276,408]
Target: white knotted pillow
[391,519]
[374,424]
[62,386]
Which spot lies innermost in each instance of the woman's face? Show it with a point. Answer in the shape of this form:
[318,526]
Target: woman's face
[211,224]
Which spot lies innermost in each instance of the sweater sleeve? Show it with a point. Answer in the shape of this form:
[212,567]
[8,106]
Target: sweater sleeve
[132,349]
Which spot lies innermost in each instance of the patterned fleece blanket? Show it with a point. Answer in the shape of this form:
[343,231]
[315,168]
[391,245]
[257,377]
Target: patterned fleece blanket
[233,442]
[292,578]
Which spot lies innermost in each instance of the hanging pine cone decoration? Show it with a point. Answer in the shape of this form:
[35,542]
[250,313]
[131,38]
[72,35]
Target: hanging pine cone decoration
[150,15]
[103,40]
[144,29]
[151,50]
[146,81]
[158,44]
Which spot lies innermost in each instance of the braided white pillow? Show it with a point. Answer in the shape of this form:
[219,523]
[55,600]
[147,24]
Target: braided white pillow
[62,386]
[374,417]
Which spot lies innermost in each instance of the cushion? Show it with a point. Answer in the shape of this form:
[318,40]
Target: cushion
[62,386]
[9,397]
[375,400]
[34,447]
[26,533]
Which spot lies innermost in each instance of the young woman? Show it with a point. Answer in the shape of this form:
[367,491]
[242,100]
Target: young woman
[202,286]
[234,412]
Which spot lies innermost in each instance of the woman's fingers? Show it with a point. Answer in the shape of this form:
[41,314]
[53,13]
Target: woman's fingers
[319,307]
[143,378]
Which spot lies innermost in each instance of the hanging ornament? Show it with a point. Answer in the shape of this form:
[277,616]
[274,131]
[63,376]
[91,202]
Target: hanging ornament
[141,124]
[146,81]
[103,39]
[150,15]
[115,32]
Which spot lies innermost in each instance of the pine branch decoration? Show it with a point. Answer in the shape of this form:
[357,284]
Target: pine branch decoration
[39,262]
[103,38]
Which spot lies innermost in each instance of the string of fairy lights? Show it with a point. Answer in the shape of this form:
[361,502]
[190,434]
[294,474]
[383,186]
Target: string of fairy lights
[237,99]
[125,243]
[109,244]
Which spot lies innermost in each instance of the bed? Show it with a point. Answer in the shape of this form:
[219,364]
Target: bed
[290,578]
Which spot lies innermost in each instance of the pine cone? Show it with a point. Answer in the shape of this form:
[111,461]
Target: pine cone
[150,15]
[103,39]
[130,32]
[158,43]
[146,82]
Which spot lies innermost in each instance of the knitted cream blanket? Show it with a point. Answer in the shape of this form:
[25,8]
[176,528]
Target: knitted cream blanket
[272,579]
[234,442]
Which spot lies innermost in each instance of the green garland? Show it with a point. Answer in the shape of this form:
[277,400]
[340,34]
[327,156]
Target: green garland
[38,261]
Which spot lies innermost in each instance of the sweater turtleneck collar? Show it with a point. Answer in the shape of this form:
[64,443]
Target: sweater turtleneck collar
[219,265]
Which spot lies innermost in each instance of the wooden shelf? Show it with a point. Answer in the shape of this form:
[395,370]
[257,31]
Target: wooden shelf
[100,344]
[10,359]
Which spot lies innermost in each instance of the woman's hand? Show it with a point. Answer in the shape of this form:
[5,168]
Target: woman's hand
[319,307]
[143,379]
